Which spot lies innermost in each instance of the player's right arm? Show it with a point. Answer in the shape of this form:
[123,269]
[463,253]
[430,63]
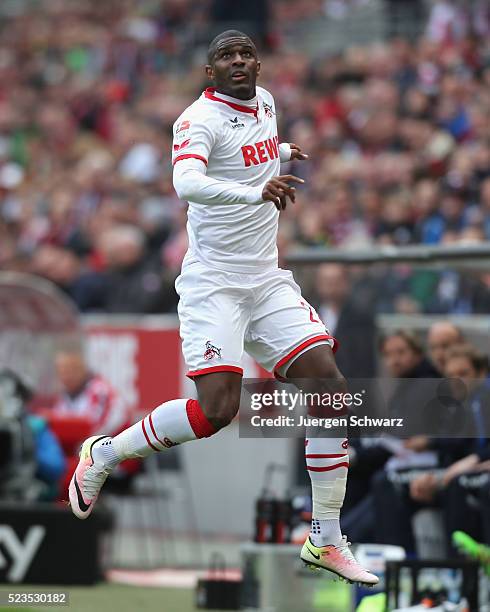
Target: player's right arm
[193,142]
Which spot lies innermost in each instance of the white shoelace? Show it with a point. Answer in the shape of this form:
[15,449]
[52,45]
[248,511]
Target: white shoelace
[345,551]
[93,480]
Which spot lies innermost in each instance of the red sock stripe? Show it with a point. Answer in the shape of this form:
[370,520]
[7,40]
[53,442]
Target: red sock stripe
[327,468]
[198,421]
[326,456]
[147,438]
[153,430]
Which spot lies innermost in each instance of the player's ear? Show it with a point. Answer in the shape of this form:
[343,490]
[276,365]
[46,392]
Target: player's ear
[209,72]
[258,68]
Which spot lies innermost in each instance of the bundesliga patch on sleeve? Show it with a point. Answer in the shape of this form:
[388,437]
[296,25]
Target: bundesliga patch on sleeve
[183,126]
[181,139]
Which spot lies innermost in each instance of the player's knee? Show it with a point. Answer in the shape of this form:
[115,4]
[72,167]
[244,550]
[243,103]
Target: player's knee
[221,407]
[338,381]
[331,375]
[332,379]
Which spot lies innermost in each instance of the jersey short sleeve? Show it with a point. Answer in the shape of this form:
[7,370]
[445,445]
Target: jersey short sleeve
[194,138]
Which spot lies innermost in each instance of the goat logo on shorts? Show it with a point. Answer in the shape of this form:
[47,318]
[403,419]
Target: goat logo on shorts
[211,351]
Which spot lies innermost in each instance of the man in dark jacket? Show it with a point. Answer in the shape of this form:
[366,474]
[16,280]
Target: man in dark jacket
[135,280]
[351,323]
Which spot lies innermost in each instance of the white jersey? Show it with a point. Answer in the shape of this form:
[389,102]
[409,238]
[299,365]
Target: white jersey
[224,151]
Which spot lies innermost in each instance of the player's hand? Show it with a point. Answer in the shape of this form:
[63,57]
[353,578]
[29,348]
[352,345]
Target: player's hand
[277,190]
[296,152]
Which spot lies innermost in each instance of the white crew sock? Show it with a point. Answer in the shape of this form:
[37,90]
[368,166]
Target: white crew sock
[327,464]
[103,454]
[170,424]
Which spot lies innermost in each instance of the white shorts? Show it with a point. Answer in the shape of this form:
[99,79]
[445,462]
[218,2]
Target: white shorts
[224,313]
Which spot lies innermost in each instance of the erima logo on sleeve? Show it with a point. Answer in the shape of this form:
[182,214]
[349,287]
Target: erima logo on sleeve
[261,152]
[236,124]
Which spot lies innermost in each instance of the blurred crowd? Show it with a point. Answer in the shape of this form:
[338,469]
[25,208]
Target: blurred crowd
[398,135]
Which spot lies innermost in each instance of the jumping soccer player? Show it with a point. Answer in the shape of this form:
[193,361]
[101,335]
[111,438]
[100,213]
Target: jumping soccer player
[233,296]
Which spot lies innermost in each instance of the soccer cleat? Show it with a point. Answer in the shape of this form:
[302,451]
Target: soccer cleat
[337,559]
[87,480]
[471,548]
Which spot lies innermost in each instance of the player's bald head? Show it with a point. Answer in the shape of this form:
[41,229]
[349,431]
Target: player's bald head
[228,37]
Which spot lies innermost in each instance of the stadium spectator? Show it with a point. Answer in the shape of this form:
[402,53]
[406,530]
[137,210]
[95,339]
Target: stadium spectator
[88,405]
[404,359]
[133,283]
[441,337]
[62,266]
[86,398]
[350,322]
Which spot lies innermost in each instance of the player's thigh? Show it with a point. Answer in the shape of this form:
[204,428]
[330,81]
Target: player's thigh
[213,320]
[316,362]
[283,324]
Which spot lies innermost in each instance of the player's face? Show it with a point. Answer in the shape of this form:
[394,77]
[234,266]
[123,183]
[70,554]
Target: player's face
[235,68]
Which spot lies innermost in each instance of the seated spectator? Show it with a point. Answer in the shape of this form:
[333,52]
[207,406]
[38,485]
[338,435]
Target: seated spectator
[404,359]
[86,399]
[88,405]
[442,336]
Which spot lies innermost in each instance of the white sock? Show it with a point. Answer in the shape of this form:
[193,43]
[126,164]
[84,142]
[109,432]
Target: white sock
[325,532]
[103,453]
[327,463]
[172,423]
